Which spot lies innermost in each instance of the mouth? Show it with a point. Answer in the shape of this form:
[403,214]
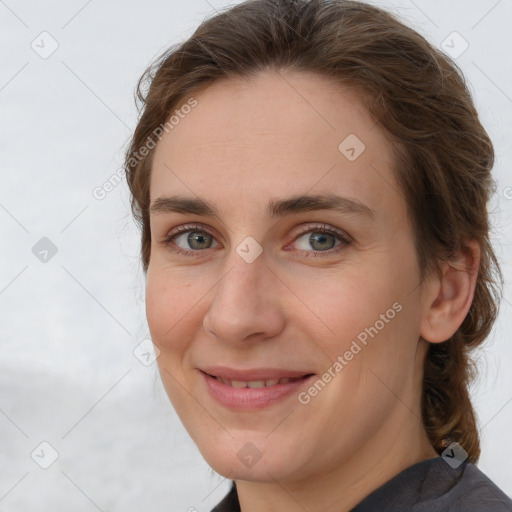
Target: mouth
[255,384]
[252,389]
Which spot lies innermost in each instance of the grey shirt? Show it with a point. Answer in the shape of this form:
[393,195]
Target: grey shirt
[428,486]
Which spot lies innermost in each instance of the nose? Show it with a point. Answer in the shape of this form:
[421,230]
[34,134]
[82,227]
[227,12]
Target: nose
[245,305]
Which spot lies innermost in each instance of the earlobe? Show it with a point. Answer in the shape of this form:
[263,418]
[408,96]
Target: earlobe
[451,294]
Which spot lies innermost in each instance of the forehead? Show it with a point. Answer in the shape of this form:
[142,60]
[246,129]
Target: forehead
[276,133]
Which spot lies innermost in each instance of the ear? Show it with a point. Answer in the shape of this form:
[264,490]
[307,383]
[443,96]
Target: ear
[449,296]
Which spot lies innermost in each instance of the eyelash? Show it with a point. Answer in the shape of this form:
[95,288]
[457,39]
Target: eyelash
[322,228]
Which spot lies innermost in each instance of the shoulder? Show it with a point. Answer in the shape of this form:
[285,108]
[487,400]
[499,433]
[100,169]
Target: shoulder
[477,492]
[433,485]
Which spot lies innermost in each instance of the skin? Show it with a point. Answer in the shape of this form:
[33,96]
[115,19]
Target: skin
[295,306]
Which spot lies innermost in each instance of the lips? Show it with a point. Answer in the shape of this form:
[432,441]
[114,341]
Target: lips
[255,388]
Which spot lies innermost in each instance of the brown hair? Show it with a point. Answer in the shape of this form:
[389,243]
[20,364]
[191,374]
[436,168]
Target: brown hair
[415,93]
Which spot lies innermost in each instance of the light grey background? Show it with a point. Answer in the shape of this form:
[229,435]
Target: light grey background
[68,327]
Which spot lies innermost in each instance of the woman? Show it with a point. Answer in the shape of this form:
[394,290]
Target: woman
[311,180]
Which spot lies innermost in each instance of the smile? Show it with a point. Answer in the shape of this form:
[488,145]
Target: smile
[259,388]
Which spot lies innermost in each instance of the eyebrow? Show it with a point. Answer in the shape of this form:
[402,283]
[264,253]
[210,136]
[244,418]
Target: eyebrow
[276,207]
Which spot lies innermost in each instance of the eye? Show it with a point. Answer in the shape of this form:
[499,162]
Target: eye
[189,240]
[321,239]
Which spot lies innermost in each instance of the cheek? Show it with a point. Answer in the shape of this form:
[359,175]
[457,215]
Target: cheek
[169,314]
[168,304]
[159,317]
[345,304]
[371,308]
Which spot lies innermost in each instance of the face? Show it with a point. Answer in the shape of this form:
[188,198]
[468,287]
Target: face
[282,289]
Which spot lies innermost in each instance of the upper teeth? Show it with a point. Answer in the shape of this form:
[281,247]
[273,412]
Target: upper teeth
[254,383]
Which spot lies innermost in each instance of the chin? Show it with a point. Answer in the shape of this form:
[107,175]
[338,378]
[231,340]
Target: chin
[246,458]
